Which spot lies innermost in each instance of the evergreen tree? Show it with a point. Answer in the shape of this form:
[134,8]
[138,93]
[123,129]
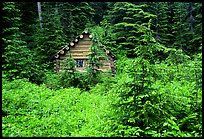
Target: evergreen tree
[160,24]
[50,38]
[193,28]
[175,25]
[197,40]
[75,17]
[68,77]
[67,21]
[16,56]
[126,19]
[94,61]
[133,102]
[108,36]
[178,24]
[100,9]
[28,20]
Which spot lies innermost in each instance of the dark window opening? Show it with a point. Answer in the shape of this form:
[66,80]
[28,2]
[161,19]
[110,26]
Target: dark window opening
[79,63]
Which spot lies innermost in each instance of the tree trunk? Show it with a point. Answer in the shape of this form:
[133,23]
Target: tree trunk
[157,30]
[40,13]
[191,18]
[157,25]
[180,29]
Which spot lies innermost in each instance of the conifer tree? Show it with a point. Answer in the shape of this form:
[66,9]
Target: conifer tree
[197,40]
[179,10]
[94,61]
[49,38]
[193,28]
[68,76]
[126,18]
[75,16]
[28,20]
[16,56]
[140,93]
[100,9]
[160,24]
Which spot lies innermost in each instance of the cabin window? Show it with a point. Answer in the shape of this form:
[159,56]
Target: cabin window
[79,63]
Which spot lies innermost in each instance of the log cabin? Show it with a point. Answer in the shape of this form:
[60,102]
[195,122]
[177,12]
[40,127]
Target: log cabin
[79,49]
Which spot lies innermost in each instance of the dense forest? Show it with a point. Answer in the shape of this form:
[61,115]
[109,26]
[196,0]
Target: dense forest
[155,92]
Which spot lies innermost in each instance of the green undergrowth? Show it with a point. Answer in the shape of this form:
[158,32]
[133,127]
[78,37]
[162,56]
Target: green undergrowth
[31,110]
[170,107]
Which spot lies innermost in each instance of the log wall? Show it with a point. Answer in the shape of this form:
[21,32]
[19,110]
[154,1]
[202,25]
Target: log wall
[81,50]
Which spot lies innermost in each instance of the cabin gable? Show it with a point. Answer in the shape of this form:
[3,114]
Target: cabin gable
[79,49]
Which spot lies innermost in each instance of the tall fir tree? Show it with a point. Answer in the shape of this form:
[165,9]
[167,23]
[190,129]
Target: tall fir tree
[179,10]
[16,56]
[75,17]
[126,19]
[193,28]
[50,37]
[95,58]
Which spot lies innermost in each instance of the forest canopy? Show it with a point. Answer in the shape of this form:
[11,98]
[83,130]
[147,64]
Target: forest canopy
[155,92]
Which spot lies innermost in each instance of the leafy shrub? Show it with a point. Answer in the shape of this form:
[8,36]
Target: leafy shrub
[107,109]
[52,80]
[173,99]
[32,110]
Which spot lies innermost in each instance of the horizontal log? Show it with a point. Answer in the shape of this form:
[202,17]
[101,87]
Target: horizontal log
[106,64]
[85,42]
[112,66]
[80,68]
[85,49]
[78,50]
[81,46]
[83,69]
[87,53]
[105,67]
[104,61]
[104,70]
[83,57]
[86,37]
[63,57]
[79,55]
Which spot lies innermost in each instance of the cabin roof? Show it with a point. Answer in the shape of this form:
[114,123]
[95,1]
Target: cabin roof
[72,43]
